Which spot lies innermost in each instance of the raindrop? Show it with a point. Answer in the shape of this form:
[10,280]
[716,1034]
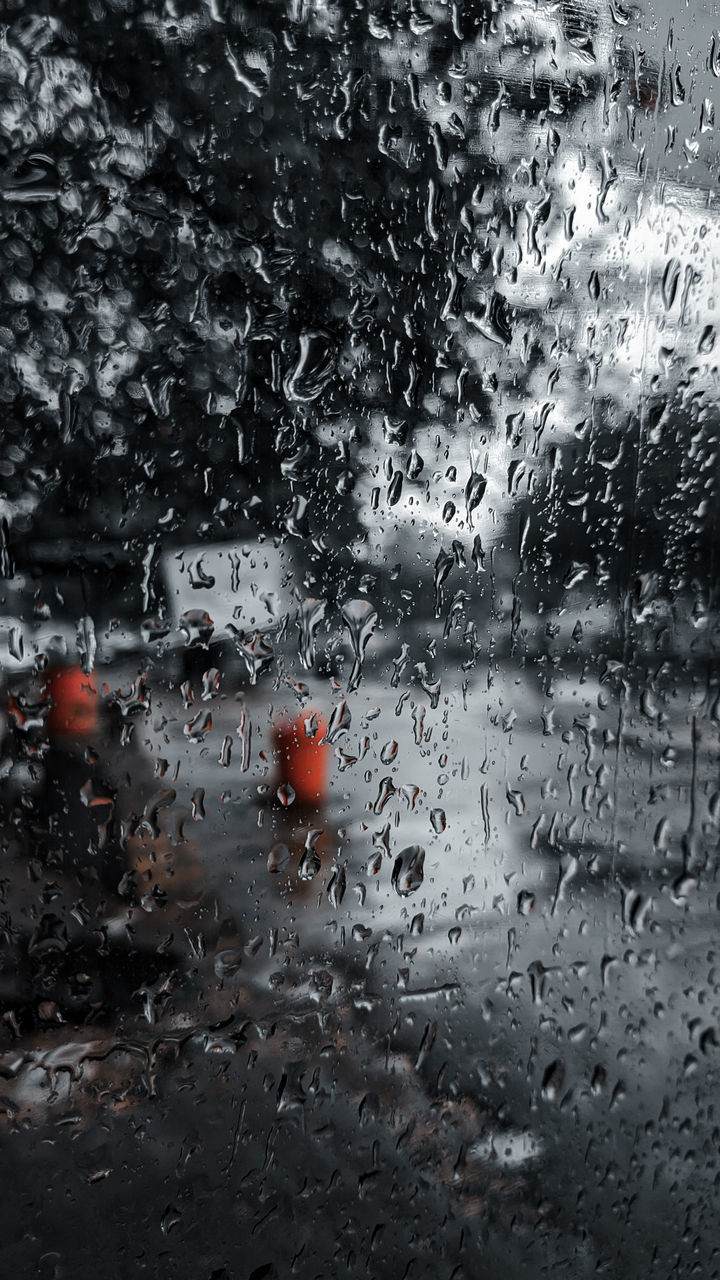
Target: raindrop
[337,887]
[438,820]
[285,794]
[310,616]
[360,619]
[474,494]
[408,871]
[313,367]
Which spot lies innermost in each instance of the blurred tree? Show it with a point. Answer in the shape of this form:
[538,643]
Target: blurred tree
[240,238]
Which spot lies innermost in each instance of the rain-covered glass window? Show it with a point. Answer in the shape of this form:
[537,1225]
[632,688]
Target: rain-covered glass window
[359,631]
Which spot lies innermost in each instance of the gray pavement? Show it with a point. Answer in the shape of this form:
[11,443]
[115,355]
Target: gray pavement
[504,1068]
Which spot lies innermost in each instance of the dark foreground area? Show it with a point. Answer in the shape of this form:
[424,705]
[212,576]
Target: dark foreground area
[269,1071]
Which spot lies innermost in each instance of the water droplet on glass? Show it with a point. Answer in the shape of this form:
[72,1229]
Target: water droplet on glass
[360,619]
[408,870]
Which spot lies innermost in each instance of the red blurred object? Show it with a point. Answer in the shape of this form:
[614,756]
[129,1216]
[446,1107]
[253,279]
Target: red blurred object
[74,704]
[304,758]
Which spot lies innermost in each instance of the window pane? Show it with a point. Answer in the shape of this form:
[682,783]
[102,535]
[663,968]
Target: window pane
[359,643]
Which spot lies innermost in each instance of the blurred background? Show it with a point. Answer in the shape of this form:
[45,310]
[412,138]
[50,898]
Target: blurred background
[359,686]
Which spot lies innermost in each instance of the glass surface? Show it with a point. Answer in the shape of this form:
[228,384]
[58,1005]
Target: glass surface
[359,635]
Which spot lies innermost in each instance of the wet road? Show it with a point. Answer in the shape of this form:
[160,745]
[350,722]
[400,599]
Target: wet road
[319,1082]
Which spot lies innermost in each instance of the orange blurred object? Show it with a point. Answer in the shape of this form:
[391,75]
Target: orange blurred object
[304,758]
[74,706]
